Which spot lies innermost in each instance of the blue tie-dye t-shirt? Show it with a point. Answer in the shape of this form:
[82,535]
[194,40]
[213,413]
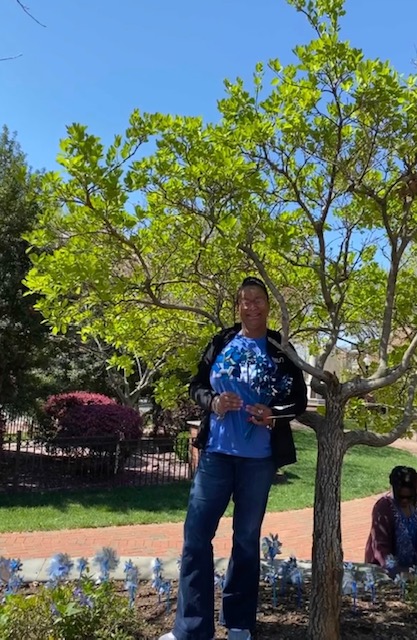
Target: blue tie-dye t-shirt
[405,537]
[244,368]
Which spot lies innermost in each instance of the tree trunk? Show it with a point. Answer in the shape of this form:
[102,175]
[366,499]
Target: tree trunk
[327,556]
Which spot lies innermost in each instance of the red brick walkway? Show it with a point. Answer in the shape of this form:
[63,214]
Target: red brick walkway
[164,540]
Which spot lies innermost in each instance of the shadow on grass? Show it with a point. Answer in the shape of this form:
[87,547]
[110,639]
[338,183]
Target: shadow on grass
[155,499]
[290,477]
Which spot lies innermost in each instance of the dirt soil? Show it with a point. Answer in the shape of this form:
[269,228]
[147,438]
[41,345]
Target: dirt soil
[390,618]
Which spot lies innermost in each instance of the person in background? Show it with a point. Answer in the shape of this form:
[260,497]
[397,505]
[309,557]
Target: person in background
[393,533]
[249,390]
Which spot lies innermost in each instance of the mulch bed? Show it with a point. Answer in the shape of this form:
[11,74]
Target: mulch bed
[390,618]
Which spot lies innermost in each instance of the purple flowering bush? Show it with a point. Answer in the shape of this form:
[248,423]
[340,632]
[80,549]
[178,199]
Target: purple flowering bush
[89,415]
[92,421]
[91,424]
[57,405]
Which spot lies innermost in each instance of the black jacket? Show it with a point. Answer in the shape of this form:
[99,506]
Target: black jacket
[282,442]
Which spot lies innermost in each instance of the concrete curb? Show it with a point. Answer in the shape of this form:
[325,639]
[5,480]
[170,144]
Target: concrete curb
[36,570]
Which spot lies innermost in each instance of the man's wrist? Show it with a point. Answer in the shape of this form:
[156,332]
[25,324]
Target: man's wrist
[215,406]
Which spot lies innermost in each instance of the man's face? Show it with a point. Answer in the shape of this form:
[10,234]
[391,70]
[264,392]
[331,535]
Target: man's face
[253,307]
[405,496]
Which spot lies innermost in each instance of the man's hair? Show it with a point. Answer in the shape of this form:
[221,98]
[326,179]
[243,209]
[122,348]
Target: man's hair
[252,281]
[403,477]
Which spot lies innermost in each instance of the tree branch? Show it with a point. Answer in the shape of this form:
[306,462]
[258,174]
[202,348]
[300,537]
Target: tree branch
[325,376]
[156,302]
[388,312]
[381,440]
[19,55]
[379,380]
[329,346]
[28,13]
[311,419]
[318,387]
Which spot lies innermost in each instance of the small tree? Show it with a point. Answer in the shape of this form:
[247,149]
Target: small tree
[310,179]
[129,376]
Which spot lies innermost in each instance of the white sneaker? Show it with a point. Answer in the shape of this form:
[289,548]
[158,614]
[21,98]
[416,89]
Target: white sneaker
[239,634]
[170,636]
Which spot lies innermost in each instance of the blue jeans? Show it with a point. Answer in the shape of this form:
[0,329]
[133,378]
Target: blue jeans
[220,477]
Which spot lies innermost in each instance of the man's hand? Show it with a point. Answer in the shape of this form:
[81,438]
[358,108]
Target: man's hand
[260,414]
[226,401]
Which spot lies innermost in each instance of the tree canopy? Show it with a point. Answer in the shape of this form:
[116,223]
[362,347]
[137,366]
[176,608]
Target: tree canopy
[23,337]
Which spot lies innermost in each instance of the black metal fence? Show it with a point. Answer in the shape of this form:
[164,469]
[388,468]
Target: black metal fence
[28,465]
[24,423]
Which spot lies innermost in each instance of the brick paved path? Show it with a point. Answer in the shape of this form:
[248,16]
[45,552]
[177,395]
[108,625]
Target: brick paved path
[164,540]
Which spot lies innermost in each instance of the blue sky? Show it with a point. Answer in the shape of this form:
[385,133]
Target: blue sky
[97,60]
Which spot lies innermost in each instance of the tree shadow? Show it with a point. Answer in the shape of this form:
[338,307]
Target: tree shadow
[32,467]
[119,499]
[285,477]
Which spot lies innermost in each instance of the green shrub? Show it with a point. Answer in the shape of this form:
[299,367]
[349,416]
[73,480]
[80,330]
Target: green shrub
[182,446]
[79,611]
[411,590]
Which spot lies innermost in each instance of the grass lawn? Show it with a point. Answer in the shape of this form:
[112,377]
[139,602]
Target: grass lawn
[365,472]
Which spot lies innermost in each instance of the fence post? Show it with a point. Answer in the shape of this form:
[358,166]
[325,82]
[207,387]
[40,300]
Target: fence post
[17,460]
[31,428]
[117,456]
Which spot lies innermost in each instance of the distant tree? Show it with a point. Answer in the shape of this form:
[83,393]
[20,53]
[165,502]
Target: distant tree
[23,336]
[93,365]
[130,387]
[33,362]
[70,366]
